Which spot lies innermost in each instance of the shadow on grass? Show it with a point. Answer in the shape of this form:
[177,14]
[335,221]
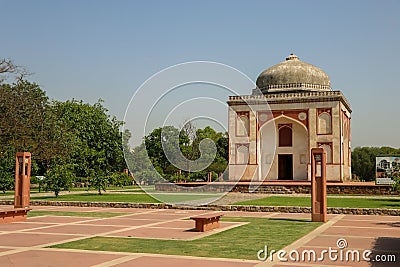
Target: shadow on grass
[390,202]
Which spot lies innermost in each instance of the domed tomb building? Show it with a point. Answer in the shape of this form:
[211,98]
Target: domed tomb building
[273,141]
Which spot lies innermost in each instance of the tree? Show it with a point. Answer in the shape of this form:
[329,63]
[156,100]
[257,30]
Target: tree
[364,159]
[59,177]
[171,151]
[8,68]
[22,108]
[98,139]
[7,165]
[164,145]
[98,179]
[142,168]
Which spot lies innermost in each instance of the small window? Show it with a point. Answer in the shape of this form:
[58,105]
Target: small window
[285,135]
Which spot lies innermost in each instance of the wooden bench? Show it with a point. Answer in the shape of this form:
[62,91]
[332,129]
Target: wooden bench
[206,222]
[13,215]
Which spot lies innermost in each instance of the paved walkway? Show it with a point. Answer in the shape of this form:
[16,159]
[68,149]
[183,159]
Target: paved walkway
[25,243]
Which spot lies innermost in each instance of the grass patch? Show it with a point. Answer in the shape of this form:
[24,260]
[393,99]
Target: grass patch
[241,242]
[132,198]
[332,202]
[35,213]
[93,197]
[7,193]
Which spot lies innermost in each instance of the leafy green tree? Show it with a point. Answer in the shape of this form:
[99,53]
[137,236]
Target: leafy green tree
[364,161]
[396,185]
[161,149]
[98,179]
[188,155]
[22,108]
[7,165]
[142,168]
[120,179]
[99,150]
[59,177]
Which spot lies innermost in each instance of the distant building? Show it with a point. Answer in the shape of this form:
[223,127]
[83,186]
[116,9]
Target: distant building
[305,113]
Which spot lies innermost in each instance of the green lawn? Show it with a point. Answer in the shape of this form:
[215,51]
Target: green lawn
[35,213]
[93,197]
[133,198]
[242,242]
[355,202]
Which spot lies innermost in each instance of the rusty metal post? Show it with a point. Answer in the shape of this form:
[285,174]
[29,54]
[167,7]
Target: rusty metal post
[22,179]
[318,185]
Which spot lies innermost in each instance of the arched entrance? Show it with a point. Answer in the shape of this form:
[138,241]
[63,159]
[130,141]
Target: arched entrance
[290,158]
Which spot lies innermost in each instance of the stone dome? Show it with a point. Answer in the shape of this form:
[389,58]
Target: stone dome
[293,75]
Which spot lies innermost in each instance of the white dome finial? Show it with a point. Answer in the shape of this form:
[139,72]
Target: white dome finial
[292,57]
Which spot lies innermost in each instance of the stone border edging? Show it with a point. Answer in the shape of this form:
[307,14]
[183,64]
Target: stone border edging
[282,209]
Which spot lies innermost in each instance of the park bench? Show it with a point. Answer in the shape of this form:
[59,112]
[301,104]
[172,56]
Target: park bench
[206,222]
[13,215]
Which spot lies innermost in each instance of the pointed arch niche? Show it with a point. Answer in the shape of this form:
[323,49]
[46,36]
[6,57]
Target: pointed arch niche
[324,121]
[242,123]
[328,149]
[242,153]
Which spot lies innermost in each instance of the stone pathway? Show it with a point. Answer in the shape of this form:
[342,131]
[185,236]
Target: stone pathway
[26,243]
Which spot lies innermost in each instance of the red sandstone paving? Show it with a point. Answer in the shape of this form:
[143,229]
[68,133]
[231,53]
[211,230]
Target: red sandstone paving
[6,207]
[183,224]
[58,219]
[78,229]
[353,242]
[147,261]
[371,218]
[377,224]
[246,214]
[66,208]
[20,226]
[359,231]
[351,262]
[368,223]
[35,258]
[31,239]
[124,210]
[122,222]
[158,233]
[326,260]
[156,216]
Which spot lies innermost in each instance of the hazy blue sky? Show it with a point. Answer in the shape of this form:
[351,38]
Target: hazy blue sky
[107,49]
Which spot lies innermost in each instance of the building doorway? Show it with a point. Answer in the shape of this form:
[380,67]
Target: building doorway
[285,167]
